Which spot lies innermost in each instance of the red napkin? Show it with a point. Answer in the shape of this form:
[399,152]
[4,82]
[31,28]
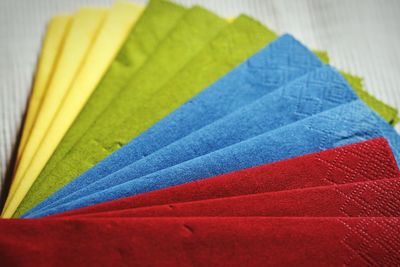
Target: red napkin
[369,199]
[207,241]
[364,161]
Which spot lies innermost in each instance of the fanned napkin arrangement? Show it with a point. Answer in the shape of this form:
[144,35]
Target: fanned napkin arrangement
[164,135]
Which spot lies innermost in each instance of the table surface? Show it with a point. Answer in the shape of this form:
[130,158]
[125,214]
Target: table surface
[361,37]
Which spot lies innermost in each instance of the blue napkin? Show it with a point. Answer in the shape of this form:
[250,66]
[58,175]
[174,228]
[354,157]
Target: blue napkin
[281,61]
[345,124]
[310,94]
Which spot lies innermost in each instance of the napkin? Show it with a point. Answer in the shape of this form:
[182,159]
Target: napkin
[56,30]
[370,199]
[83,29]
[244,35]
[268,69]
[207,241]
[362,161]
[315,92]
[102,50]
[345,124]
[128,61]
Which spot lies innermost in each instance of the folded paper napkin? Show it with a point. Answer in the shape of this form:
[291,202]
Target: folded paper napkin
[378,198]
[268,69]
[245,37]
[310,94]
[346,124]
[359,162]
[206,241]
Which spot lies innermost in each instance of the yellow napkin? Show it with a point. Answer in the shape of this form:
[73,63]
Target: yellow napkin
[84,27]
[110,38]
[56,31]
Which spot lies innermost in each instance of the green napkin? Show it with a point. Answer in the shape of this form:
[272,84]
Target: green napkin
[322,55]
[388,113]
[194,30]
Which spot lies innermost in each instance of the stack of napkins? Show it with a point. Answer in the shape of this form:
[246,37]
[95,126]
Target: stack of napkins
[164,135]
